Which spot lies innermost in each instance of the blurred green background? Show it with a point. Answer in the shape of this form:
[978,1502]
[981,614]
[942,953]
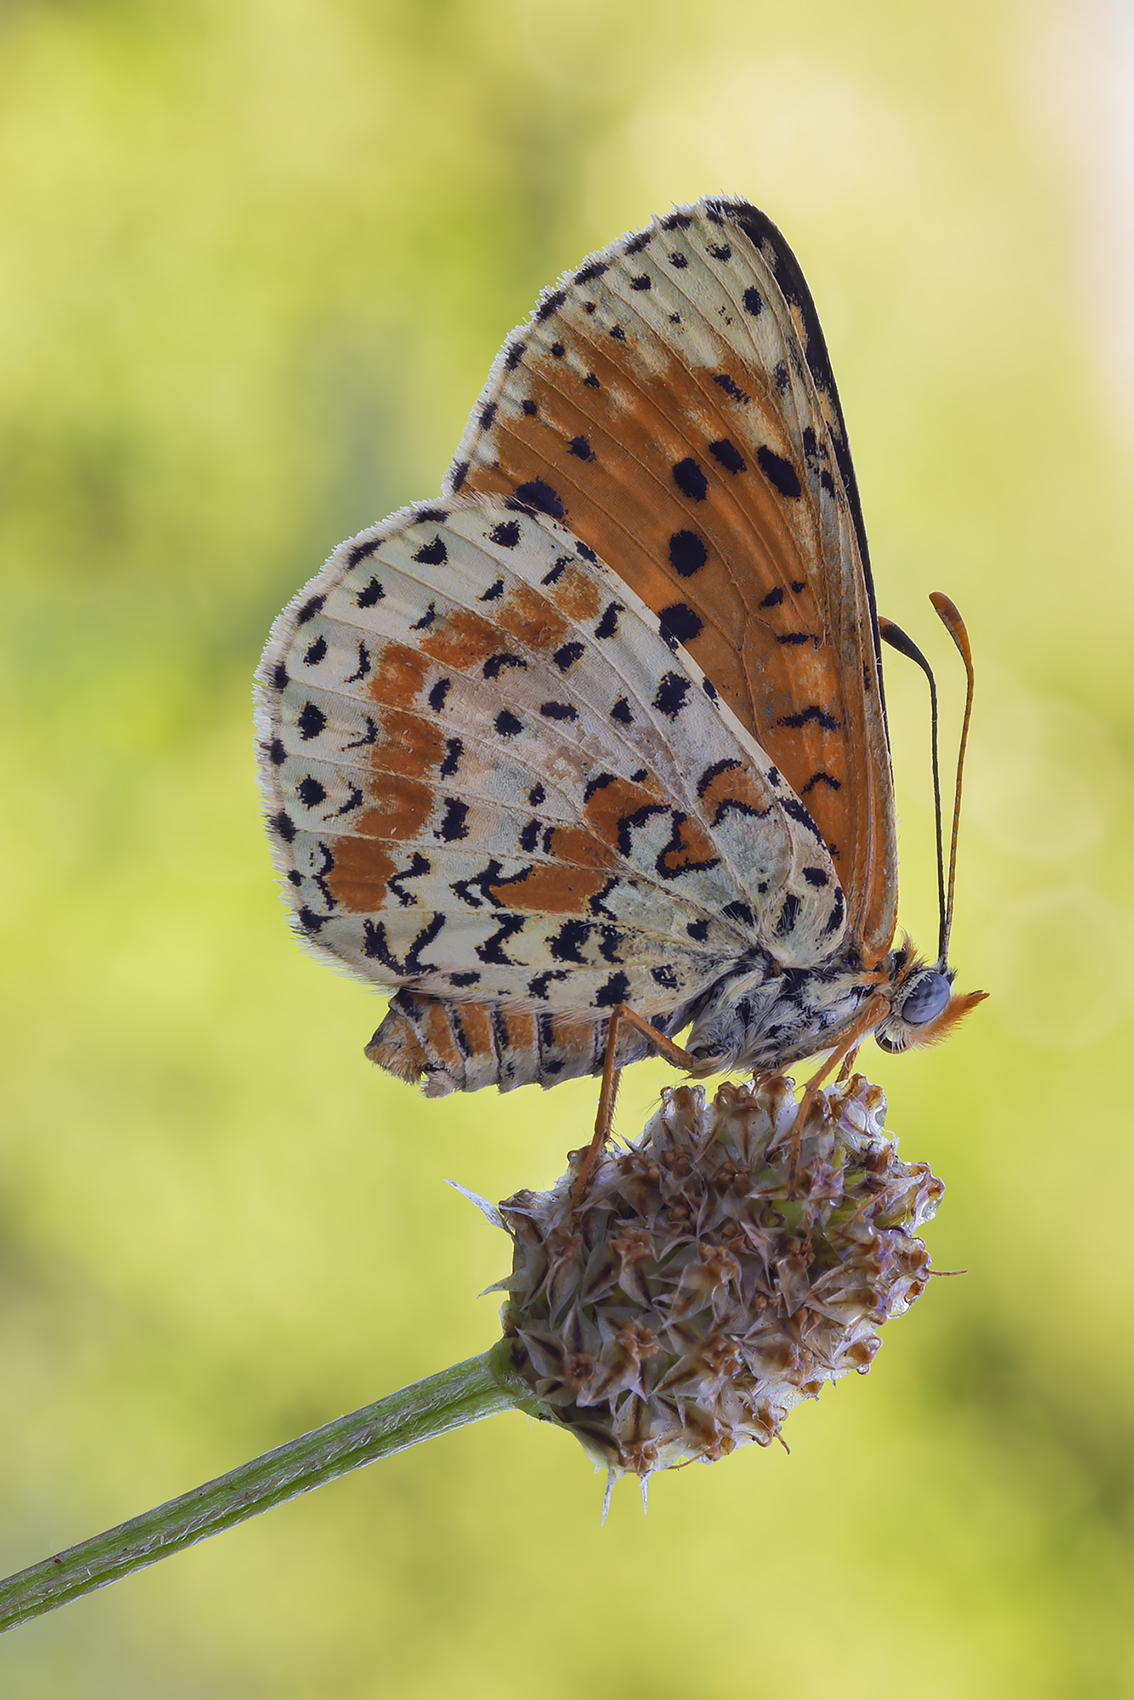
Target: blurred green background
[256,260]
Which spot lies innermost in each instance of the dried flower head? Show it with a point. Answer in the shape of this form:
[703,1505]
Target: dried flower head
[696,1293]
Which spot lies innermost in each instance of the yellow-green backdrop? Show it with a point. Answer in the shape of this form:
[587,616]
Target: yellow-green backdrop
[257,256]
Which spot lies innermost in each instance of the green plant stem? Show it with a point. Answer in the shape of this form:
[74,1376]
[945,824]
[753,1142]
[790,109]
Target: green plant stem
[464,1393]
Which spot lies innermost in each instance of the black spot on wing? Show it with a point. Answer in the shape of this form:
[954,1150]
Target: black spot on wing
[538,494]
[311,721]
[360,552]
[418,866]
[680,622]
[835,919]
[821,778]
[566,945]
[506,535]
[453,825]
[608,625]
[363,668]
[496,664]
[789,914]
[316,652]
[791,806]
[780,473]
[690,479]
[567,655]
[376,945]
[438,694]
[492,950]
[687,553]
[805,717]
[311,792]
[672,691]
[369,595]
[506,724]
[616,990]
[433,553]
[728,455]
[730,387]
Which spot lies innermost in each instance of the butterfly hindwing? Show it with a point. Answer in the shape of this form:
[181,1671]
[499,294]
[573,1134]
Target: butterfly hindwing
[492,775]
[671,401]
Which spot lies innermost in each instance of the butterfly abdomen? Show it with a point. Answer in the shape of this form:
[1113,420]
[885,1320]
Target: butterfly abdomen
[460,1047]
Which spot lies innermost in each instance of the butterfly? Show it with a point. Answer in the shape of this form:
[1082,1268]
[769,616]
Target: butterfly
[601,732]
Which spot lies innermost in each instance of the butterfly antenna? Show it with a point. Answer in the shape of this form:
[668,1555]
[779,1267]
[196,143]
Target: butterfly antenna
[905,645]
[950,617]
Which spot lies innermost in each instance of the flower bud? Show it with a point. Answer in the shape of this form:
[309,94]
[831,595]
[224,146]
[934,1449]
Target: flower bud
[697,1291]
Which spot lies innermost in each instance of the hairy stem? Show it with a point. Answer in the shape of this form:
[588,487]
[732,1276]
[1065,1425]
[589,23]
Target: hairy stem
[464,1393]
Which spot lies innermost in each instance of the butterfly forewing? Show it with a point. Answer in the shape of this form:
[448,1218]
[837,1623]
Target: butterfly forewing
[671,402]
[493,776]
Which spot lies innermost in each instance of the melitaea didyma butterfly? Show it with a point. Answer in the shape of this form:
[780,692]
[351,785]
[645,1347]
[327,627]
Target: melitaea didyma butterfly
[602,729]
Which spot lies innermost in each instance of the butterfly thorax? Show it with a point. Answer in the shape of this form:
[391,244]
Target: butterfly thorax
[761,1016]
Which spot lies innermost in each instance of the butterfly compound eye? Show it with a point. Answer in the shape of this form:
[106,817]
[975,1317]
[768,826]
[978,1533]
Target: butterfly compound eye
[926,999]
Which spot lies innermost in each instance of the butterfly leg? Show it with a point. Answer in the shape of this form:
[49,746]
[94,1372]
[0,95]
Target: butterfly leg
[847,1047]
[848,1063]
[622,1014]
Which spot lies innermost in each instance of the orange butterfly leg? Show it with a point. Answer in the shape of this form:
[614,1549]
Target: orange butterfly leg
[612,1073]
[869,1019]
[848,1064]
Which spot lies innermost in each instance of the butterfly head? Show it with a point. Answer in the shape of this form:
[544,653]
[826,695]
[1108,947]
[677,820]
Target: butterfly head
[923,1007]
